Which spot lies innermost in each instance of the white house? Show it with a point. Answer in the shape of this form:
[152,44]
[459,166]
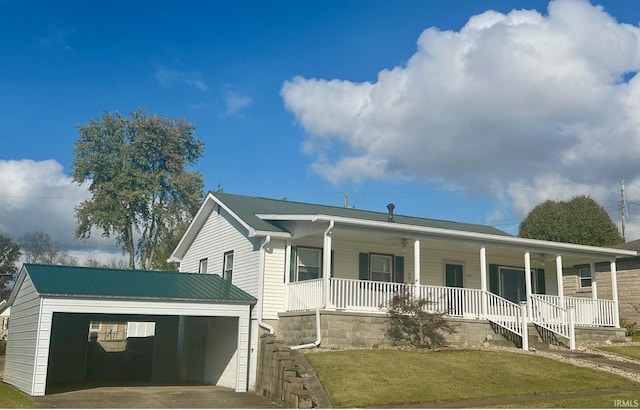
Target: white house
[298,258]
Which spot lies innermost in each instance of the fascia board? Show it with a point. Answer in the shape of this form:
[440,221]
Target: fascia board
[189,235]
[482,237]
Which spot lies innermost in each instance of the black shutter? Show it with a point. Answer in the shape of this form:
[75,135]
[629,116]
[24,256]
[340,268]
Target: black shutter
[332,263]
[540,279]
[398,274]
[363,266]
[292,266]
[493,279]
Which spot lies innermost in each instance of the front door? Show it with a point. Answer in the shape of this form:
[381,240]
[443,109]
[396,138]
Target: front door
[512,284]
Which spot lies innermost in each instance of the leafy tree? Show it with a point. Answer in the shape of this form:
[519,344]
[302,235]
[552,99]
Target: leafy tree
[580,220]
[142,192]
[9,254]
[410,321]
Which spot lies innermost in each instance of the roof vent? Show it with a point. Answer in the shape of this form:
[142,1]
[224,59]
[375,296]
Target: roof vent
[390,207]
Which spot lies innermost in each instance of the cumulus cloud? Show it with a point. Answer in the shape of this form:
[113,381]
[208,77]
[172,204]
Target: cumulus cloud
[169,77]
[543,101]
[38,196]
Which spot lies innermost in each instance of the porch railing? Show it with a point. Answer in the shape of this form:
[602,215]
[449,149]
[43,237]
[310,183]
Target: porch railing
[461,302]
[504,313]
[549,315]
[305,295]
[589,312]
[363,294]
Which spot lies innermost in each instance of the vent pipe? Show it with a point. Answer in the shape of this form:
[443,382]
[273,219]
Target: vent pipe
[390,207]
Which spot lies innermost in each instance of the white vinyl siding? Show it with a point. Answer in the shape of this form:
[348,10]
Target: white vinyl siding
[274,273]
[23,336]
[221,233]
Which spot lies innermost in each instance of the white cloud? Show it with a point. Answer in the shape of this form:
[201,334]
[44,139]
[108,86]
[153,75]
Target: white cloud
[234,101]
[511,100]
[38,196]
[169,77]
[56,38]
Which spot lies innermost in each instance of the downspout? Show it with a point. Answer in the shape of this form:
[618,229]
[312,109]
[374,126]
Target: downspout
[326,272]
[261,287]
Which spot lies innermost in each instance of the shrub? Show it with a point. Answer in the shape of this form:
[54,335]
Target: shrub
[630,328]
[3,347]
[411,322]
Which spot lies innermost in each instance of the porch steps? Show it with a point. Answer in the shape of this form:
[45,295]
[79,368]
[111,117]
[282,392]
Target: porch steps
[537,339]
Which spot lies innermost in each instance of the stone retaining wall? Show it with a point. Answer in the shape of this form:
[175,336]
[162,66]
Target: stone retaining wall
[365,330]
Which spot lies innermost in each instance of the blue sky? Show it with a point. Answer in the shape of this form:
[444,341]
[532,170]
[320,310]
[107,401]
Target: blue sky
[458,110]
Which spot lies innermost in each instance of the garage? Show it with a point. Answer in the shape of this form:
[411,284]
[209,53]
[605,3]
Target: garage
[201,328]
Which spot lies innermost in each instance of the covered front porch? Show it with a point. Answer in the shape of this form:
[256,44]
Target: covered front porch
[508,281]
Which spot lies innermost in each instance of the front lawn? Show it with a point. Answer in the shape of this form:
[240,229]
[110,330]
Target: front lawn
[374,378]
[629,351]
[12,398]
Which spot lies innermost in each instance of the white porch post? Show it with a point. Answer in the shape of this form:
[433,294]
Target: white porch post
[326,264]
[559,279]
[483,280]
[527,281]
[594,285]
[614,293]
[416,267]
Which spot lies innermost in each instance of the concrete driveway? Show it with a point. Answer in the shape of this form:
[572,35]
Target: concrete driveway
[159,397]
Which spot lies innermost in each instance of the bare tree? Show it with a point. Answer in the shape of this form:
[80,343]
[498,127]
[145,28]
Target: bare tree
[38,247]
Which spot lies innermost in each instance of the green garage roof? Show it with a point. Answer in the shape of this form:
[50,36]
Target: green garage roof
[77,281]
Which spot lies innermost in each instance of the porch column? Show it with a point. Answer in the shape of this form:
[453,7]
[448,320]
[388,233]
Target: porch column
[483,280]
[416,266]
[594,285]
[326,264]
[559,279]
[527,281]
[614,293]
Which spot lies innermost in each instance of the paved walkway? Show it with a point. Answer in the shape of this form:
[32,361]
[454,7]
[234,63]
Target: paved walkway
[157,397]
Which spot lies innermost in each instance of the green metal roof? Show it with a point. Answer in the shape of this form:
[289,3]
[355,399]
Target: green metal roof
[246,208]
[78,281]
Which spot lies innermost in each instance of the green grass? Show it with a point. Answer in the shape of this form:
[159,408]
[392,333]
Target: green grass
[374,378]
[12,398]
[629,351]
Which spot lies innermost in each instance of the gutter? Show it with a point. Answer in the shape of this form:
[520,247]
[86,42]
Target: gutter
[260,312]
[324,304]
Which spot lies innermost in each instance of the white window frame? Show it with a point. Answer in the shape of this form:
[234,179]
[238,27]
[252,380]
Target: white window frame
[318,251]
[204,262]
[391,260]
[581,277]
[227,271]
[92,326]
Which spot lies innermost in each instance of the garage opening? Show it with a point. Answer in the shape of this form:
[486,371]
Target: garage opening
[120,351]
[104,349]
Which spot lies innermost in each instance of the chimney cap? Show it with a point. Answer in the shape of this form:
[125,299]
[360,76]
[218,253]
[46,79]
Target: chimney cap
[390,207]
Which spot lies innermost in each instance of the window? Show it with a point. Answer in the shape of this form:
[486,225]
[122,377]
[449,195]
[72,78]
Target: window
[309,263]
[95,326]
[227,269]
[585,277]
[381,270]
[202,268]
[5,323]
[453,273]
